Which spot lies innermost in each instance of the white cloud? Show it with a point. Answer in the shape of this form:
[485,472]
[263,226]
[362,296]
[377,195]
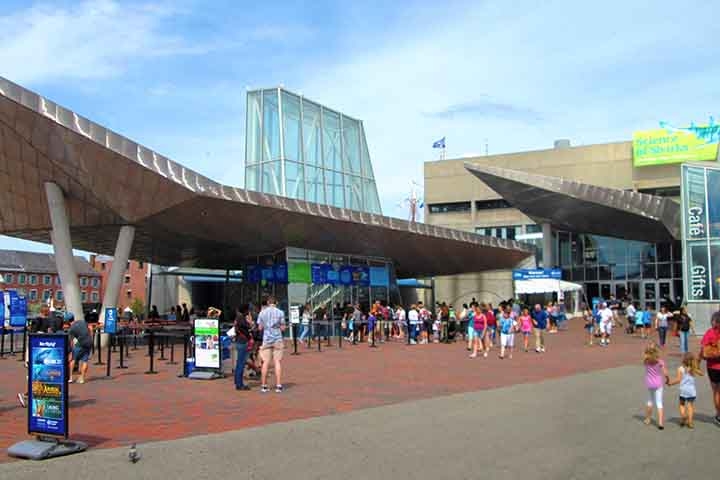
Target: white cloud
[91,40]
[588,72]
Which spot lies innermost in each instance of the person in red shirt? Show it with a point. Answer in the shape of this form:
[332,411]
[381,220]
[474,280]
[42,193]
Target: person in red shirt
[712,337]
[491,326]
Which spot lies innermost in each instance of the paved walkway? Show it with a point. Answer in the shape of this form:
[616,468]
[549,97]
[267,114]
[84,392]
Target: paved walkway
[582,426]
[133,407]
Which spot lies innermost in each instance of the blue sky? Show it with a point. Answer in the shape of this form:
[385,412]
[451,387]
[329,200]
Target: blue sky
[172,75]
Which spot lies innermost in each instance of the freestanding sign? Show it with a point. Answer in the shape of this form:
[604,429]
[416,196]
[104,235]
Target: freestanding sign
[701,232]
[207,343]
[48,385]
[111,320]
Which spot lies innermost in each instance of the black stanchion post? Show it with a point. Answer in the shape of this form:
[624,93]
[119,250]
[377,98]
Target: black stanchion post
[172,351]
[135,335]
[151,353]
[122,355]
[409,335]
[372,338]
[162,348]
[24,347]
[109,349]
[317,337]
[186,339]
[340,336]
[294,332]
[98,346]
[328,332]
[12,341]
[2,343]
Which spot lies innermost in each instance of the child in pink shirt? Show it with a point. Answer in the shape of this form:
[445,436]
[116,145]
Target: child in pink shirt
[655,377]
[526,327]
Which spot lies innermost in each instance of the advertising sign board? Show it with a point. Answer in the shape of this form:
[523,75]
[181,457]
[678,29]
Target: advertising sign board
[533,273]
[701,232]
[48,385]
[670,144]
[111,320]
[207,343]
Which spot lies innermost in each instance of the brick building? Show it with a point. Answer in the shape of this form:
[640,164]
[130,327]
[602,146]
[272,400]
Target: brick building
[134,284]
[34,275]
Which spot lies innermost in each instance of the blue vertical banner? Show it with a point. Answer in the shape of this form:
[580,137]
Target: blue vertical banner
[280,271]
[379,277]
[48,385]
[332,275]
[317,274]
[18,310]
[253,274]
[267,273]
[2,308]
[111,320]
[361,276]
[346,275]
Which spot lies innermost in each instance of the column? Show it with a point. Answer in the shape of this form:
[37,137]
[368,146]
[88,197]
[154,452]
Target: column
[62,246]
[115,279]
[548,246]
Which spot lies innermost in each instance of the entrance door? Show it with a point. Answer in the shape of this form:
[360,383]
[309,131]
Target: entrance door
[649,295]
[606,290]
[665,293]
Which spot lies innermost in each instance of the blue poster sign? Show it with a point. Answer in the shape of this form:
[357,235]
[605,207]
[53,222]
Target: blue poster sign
[280,273]
[534,273]
[379,277]
[18,310]
[361,276]
[111,320]
[332,275]
[2,309]
[47,385]
[317,274]
[346,275]
[267,273]
[253,274]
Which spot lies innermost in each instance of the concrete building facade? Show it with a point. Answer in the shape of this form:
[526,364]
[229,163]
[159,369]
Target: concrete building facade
[455,198]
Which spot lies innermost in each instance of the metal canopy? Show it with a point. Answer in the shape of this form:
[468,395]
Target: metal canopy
[579,207]
[184,218]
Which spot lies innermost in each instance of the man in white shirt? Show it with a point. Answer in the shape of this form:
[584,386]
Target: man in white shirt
[606,324]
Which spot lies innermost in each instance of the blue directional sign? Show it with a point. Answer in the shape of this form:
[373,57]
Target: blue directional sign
[111,320]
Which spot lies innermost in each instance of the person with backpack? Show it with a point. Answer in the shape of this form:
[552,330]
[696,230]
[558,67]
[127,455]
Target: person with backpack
[242,338]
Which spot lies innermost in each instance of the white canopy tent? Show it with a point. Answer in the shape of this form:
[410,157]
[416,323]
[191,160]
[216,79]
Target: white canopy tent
[545,285]
[549,285]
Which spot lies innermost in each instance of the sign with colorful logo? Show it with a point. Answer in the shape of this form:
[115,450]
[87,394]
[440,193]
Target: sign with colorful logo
[17,309]
[47,385]
[207,343]
[670,144]
[299,272]
[379,277]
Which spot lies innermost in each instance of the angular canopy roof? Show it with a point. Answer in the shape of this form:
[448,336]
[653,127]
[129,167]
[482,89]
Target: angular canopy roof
[184,218]
[580,207]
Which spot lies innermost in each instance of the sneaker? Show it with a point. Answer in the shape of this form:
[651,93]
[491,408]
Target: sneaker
[278,388]
[485,354]
[647,421]
[473,355]
[21,399]
[264,389]
[661,427]
[413,342]
[690,425]
[80,381]
[244,388]
[717,419]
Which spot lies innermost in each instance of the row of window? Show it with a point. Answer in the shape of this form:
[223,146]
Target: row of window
[103,265]
[32,279]
[509,232]
[454,207]
[32,295]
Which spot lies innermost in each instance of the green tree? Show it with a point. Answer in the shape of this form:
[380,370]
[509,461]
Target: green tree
[138,307]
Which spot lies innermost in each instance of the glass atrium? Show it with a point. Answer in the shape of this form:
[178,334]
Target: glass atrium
[300,149]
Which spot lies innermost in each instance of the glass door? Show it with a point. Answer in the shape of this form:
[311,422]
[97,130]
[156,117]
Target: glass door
[649,295]
[606,290]
[665,294]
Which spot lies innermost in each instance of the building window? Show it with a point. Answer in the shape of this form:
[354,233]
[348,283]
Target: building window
[662,191]
[450,207]
[33,295]
[140,265]
[102,266]
[9,277]
[507,232]
[95,282]
[127,265]
[57,280]
[22,278]
[59,296]
[47,280]
[533,228]
[492,204]
[128,293]
[83,296]
[94,296]
[127,278]
[33,279]
[47,295]
[83,281]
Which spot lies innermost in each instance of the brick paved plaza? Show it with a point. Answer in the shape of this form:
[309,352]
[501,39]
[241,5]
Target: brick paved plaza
[134,407]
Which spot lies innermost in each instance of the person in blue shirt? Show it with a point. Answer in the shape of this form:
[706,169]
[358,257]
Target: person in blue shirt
[647,321]
[540,319]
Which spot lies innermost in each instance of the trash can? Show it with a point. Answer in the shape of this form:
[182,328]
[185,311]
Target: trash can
[189,366]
